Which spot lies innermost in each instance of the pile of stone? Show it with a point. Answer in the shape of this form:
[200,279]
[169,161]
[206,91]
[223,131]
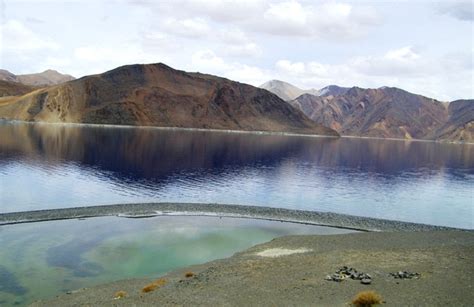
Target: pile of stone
[346,273]
[405,275]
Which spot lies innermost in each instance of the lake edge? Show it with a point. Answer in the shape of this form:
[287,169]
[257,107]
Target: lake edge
[143,210]
[255,132]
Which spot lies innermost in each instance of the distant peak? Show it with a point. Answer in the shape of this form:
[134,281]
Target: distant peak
[274,82]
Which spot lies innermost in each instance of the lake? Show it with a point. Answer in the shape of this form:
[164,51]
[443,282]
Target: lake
[41,260]
[55,166]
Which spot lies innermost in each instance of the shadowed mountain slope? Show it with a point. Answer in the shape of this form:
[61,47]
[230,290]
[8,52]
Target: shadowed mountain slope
[9,88]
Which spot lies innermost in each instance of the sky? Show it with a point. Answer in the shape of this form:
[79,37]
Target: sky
[425,47]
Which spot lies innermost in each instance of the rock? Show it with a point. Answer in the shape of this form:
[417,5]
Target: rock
[405,275]
[346,272]
[366,281]
[338,277]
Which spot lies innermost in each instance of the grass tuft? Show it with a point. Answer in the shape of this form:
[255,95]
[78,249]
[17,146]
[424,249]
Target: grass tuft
[156,284]
[120,294]
[189,274]
[149,288]
[367,299]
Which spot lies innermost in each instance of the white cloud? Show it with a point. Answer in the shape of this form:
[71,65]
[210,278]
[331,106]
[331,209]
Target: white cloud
[225,11]
[318,19]
[234,42]
[328,20]
[285,18]
[207,61]
[309,43]
[233,36]
[398,62]
[248,74]
[190,28]
[244,50]
[402,54]
[106,58]
[18,38]
[20,44]
[287,67]
[403,67]
[462,10]
[157,41]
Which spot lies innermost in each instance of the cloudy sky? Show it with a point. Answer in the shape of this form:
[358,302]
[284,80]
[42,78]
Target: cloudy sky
[425,47]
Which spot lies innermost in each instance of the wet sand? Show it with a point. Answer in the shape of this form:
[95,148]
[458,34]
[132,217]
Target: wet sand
[291,271]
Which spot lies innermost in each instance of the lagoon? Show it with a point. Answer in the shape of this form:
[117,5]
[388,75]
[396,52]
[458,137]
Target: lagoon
[41,260]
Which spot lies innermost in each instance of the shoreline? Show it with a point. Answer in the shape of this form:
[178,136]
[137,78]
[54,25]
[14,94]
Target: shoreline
[256,132]
[144,210]
[292,270]
[110,126]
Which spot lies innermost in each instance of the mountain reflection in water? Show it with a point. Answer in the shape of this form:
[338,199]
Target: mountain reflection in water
[51,166]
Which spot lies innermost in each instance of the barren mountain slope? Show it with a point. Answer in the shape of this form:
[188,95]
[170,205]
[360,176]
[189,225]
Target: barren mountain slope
[157,95]
[384,112]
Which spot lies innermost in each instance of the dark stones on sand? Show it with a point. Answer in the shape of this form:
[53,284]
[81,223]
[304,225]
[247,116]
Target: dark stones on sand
[335,277]
[365,278]
[346,272]
[405,275]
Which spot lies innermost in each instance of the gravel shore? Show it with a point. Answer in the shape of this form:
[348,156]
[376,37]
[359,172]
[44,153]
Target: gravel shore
[255,212]
[291,271]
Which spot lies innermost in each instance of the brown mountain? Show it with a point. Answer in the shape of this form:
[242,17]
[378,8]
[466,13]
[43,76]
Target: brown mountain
[157,95]
[5,75]
[460,124]
[45,78]
[389,113]
[9,88]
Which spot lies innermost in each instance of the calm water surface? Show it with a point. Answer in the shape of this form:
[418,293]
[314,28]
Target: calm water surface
[41,260]
[52,166]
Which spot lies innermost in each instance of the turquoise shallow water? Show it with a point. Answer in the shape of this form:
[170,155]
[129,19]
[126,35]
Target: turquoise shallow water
[40,260]
[53,166]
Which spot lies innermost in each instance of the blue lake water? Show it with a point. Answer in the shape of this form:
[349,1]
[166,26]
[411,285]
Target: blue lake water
[53,166]
[41,260]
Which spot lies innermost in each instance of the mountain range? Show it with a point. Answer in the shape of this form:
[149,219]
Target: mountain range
[45,78]
[386,112]
[390,112]
[158,95]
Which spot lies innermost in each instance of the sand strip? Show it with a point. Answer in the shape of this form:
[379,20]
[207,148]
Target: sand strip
[255,212]
[445,260]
